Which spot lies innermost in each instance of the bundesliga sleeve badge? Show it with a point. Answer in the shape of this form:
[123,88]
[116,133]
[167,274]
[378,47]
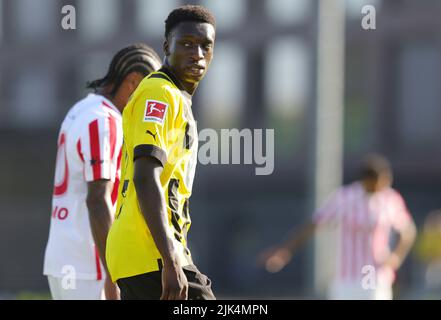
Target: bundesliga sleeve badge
[155,111]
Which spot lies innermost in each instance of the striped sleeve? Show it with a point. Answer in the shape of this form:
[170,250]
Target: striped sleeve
[330,209]
[100,146]
[399,214]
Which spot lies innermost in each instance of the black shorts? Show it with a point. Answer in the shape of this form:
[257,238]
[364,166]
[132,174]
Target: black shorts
[148,286]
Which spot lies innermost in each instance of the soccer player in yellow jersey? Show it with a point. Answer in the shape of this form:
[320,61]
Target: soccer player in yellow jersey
[147,252]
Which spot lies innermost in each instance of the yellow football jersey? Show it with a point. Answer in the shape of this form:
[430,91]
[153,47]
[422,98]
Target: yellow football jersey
[157,122]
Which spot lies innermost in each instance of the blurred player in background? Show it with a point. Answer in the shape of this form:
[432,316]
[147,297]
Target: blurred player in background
[147,250]
[428,251]
[365,212]
[87,177]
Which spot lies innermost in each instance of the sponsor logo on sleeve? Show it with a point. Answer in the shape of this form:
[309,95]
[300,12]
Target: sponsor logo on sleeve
[155,111]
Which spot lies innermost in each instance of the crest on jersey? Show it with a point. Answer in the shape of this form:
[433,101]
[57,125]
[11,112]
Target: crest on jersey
[155,111]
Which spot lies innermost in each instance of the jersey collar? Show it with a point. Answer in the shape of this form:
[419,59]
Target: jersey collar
[107,103]
[164,70]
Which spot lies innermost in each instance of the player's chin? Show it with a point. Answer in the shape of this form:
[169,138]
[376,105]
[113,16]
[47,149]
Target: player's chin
[193,77]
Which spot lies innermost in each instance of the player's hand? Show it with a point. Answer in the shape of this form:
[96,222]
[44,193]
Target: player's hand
[393,262]
[111,290]
[274,259]
[174,283]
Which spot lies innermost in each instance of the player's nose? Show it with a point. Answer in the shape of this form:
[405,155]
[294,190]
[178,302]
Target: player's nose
[197,53]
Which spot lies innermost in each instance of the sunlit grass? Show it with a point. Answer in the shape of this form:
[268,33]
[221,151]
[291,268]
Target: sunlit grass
[28,295]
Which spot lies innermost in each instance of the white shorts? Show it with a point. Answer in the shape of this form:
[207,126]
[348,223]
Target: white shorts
[78,290]
[353,291]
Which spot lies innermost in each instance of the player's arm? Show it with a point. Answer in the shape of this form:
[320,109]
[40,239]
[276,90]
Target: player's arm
[299,236]
[147,171]
[404,225]
[99,204]
[276,258]
[406,240]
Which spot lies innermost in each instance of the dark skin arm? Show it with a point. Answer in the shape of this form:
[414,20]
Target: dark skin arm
[146,178]
[276,258]
[99,204]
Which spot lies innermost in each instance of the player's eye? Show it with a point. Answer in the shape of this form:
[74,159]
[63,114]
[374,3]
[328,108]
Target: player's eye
[208,46]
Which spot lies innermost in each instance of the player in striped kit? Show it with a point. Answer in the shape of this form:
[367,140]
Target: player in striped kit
[365,212]
[86,182]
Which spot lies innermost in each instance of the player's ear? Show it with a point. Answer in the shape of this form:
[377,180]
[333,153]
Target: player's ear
[133,80]
[166,48]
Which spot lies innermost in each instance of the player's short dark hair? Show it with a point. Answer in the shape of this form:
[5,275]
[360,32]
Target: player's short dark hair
[137,57]
[374,165]
[188,13]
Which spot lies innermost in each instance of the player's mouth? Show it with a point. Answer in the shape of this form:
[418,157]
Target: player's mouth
[196,70]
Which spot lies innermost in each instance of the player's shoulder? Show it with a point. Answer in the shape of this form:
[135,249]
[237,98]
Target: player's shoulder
[393,194]
[160,83]
[158,86]
[90,108]
[158,90]
[349,188]
[97,106]
[349,191]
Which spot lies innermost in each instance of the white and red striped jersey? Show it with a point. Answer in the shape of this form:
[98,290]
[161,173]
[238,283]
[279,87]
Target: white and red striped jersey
[364,222]
[89,149]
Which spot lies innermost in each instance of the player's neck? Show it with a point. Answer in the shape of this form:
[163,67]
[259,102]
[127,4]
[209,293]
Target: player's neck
[369,188]
[190,88]
[105,92]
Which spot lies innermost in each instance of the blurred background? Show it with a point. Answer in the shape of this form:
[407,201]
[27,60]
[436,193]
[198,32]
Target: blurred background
[264,75]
